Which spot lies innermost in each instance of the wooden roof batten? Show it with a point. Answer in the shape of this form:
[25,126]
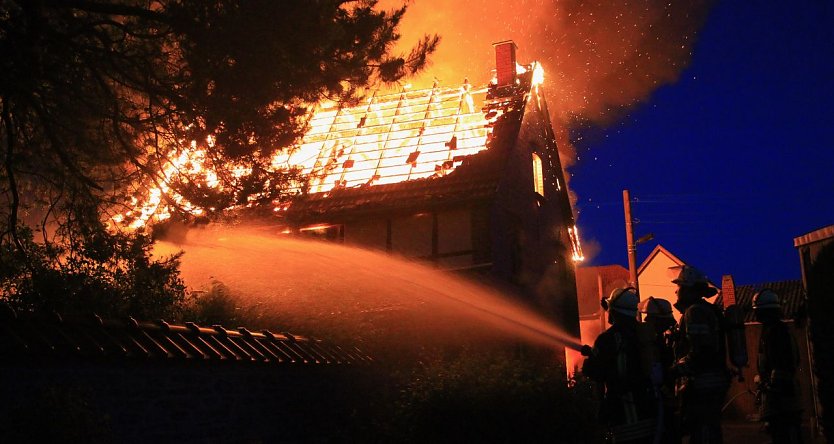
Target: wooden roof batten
[456,147]
[376,139]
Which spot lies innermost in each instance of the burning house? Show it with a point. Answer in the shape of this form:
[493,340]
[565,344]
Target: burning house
[467,178]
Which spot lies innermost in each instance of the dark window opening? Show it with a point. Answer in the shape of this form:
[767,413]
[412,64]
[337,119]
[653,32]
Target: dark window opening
[330,233]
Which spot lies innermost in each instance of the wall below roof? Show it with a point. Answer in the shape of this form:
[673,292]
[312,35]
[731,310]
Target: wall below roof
[69,400]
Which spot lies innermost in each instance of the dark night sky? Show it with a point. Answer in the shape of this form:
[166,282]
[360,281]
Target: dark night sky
[734,160]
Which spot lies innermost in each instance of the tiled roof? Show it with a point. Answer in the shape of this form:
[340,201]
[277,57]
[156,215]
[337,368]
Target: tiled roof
[30,335]
[791,292]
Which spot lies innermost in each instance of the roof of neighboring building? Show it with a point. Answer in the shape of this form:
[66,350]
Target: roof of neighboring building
[34,335]
[791,292]
[430,146]
[587,285]
[814,236]
[659,249]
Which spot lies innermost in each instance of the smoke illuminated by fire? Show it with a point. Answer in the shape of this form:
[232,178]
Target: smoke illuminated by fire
[601,56]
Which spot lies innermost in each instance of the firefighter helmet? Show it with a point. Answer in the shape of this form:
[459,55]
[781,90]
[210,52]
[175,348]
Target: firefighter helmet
[766,299]
[656,307]
[622,300]
[690,276]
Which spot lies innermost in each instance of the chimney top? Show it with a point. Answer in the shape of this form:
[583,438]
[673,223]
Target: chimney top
[728,290]
[505,62]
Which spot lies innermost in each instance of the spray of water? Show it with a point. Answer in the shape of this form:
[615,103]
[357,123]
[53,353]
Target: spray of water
[316,287]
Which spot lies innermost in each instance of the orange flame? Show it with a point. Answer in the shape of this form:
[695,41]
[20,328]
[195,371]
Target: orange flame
[391,138]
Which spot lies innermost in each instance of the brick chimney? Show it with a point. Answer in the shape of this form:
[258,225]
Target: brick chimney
[728,289]
[505,62]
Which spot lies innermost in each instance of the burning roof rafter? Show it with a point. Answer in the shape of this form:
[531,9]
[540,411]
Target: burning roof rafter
[394,137]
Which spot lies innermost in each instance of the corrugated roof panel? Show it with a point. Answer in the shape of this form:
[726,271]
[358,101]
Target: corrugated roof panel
[37,336]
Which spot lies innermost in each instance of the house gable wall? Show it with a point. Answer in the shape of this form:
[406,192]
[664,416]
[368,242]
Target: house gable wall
[656,277]
[530,230]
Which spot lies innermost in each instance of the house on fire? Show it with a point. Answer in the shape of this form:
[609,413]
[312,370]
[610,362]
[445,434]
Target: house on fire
[467,178]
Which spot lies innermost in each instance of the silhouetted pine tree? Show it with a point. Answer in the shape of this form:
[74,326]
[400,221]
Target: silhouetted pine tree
[96,95]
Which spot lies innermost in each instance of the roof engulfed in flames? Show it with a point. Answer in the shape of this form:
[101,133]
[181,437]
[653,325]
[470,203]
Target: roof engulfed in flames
[391,138]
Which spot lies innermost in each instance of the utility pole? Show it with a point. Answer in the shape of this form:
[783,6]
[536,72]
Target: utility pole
[632,247]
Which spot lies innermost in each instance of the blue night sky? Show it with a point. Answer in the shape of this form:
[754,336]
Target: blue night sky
[731,162]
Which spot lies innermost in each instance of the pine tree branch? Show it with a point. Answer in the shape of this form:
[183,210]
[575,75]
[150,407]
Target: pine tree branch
[15,203]
[107,9]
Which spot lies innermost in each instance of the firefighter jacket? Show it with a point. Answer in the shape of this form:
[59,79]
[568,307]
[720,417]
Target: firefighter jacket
[666,357]
[617,364]
[778,362]
[701,350]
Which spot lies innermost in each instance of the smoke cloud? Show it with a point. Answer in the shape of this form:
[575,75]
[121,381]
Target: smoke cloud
[600,57]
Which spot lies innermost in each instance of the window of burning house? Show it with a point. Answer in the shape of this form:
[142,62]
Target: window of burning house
[412,236]
[538,176]
[454,238]
[330,233]
[371,233]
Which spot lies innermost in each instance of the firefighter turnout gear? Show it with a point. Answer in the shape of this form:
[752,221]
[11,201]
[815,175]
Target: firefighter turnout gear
[766,299]
[618,365]
[689,276]
[656,308]
[657,316]
[700,359]
[736,338]
[623,301]
[778,361]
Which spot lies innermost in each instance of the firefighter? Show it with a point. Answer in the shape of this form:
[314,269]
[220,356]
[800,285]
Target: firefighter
[777,365]
[657,315]
[700,368]
[615,362]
